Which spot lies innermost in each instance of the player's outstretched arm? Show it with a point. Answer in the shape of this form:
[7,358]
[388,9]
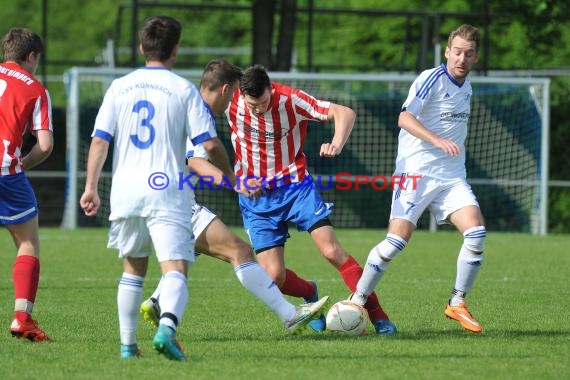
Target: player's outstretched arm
[205,168]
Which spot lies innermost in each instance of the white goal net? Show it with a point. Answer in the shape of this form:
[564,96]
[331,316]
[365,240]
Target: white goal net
[507,147]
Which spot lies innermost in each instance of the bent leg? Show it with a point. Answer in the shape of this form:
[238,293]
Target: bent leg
[291,284]
[218,241]
[349,269]
[399,233]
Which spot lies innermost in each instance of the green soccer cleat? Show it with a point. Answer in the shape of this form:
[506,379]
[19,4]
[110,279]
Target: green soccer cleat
[165,343]
[130,351]
[150,311]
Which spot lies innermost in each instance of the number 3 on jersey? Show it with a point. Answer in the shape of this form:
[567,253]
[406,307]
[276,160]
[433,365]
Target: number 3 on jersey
[145,123]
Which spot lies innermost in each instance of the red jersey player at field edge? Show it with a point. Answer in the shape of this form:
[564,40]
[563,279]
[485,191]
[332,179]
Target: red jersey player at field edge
[26,106]
[269,124]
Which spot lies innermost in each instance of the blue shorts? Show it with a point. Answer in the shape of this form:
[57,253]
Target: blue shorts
[266,219]
[18,202]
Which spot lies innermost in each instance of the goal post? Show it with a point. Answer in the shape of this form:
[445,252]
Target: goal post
[507,147]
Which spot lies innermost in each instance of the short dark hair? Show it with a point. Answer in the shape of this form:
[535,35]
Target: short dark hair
[468,33]
[18,43]
[219,72]
[254,81]
[159,36]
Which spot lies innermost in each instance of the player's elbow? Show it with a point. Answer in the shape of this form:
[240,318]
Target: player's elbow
[403,118]
[44,144]
[212,145]
[340,112]
[348,114]
[45,151]
[351,116]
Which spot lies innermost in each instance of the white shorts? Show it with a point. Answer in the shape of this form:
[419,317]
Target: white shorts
[441,197]
[171,237]
[201,218]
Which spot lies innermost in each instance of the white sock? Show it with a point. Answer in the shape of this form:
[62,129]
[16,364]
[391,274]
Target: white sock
[376,264]
[156,293]
[256,280]
[468,263]
[129,297]
[173,299]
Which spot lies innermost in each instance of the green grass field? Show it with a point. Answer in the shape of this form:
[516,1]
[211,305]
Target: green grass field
[521,298]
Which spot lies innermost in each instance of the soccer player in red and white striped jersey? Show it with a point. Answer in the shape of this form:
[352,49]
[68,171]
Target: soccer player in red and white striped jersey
[269,123]
[270,144]
[25,107]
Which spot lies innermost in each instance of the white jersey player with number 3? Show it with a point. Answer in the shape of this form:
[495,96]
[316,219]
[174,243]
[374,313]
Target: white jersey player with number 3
[149,114]
[136,111]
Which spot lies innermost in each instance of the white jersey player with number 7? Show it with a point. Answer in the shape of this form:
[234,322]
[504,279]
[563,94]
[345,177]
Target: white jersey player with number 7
[433,124]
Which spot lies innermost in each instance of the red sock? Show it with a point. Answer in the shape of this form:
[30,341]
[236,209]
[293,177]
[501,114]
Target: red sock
[26,276]
[296,286]
[351,272]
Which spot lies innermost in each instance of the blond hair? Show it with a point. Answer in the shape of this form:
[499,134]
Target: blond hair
[468,33]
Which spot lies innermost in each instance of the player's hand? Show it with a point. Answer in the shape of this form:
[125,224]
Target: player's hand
[329,150]
[90,203]
[448,146]
[251,188]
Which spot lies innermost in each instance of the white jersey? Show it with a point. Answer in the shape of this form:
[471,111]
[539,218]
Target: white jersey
[197,151]
[150,113]
[442,106]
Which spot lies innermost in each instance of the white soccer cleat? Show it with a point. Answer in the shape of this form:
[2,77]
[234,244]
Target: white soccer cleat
[304,315]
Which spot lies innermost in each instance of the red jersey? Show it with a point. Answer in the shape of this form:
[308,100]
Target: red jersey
[270,146]
[24,105]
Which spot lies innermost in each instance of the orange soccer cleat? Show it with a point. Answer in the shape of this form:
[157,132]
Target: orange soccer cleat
[462,315]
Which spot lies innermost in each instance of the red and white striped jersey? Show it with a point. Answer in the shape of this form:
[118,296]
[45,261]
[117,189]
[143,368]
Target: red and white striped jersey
[270,146]
[25,105]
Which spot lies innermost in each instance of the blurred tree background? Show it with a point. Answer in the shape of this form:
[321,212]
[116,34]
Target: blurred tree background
[523,37]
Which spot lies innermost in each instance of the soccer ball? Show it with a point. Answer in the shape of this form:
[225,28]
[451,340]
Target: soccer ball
[347,318]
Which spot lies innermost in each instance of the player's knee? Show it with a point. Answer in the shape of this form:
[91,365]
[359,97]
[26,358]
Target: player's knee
[474,239]
[27,247]
[242,251]
[335,254]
